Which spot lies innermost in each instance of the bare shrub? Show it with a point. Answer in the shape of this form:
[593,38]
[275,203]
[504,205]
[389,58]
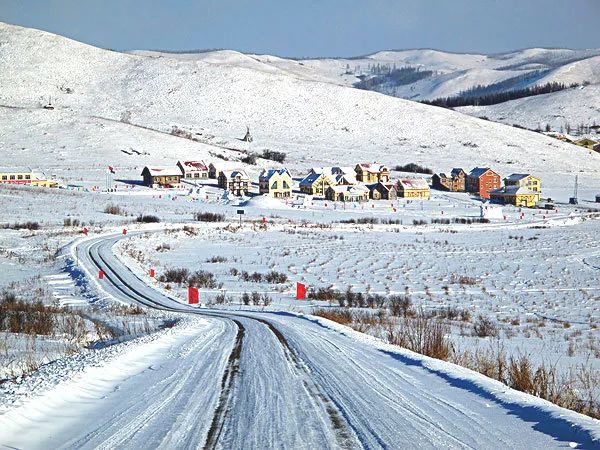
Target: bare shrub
[484,327]
[209,217]
[113,209]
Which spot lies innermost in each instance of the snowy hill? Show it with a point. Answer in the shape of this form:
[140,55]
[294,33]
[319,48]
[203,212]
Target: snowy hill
[107,101]
[572,106]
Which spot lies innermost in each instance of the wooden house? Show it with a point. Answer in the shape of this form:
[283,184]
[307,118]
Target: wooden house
[163,176]
[372,173]
[193,170]
[347,193]
[525,180]
[276,183]
[516,195]
[383,191]
[413,188]
[482,180]
[234,181]
[456,182]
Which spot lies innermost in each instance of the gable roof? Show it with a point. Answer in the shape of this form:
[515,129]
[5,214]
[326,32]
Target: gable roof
[234,173]
[350,189]
[413,183]
[479,171]
[456,171]
[372,167]
[163,171]
[517,176]
[267,174]
[193,166]
[310,179]
[385,186]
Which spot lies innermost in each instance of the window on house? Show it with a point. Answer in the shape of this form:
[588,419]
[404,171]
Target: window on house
[285,185]
[196,175]
[274,185]
[28,177]
[4,177]
[12,177]
[19,177]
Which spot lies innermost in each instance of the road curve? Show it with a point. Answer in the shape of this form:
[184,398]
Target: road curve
[267,380]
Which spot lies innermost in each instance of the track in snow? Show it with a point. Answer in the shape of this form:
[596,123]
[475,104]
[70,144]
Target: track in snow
[268,380]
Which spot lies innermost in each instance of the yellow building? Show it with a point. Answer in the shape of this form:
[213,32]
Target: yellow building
[316,184]
[587,143]
[516,195]
[524,180]
[25,176]
[276,183]
[413,188]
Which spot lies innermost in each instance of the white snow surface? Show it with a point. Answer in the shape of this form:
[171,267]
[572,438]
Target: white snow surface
[162,391]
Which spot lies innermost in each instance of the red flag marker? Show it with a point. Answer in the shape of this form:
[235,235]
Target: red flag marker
[124,231]
[100,274]
[85,231]
[151,273]
[300,291]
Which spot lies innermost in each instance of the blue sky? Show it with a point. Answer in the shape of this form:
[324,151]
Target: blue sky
[315,27]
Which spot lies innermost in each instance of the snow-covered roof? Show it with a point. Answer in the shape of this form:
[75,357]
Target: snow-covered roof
[512,190]
[386,186]
[193,166]
[413,183]
[517,176]
[335,170]
[478,171]
[268,173]
[163,171]
[373,167]
[234,173]
[351,189]
[456,171]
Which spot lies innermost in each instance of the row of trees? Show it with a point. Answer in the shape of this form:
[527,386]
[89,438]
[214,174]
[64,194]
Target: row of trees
[467,99]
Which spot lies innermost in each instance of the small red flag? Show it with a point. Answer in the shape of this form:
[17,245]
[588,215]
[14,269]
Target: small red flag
[193,296]
[100,274]
[124,231]
[111,169]
[300,291]
[85,231]
[151,273]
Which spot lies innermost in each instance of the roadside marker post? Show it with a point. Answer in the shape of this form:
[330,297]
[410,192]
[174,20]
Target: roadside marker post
[300,291]
[193,296]
[151,273]
[85,231]
[124,231]
[100,274]
[240,212]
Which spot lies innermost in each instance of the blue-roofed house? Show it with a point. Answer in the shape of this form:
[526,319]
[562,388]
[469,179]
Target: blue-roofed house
[275,183]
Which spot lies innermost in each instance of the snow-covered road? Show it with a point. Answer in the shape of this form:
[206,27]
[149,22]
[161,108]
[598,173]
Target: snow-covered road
[239,379]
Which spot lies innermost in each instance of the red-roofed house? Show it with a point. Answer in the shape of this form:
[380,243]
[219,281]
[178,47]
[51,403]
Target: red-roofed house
[193,169]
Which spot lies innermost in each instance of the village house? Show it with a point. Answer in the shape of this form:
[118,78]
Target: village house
[347,193]
[596,148]
[163,176]
[516,195]
[585,142]
[372,173]
[413,188]
[234,181]
[525,180]
[383,191]
[24,175]
[316,183]
[193,169]
[276,183]
[482,180]
[456,182]
[320,178]
[213,171]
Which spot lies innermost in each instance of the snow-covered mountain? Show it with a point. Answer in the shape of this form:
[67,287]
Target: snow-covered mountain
[107,101]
